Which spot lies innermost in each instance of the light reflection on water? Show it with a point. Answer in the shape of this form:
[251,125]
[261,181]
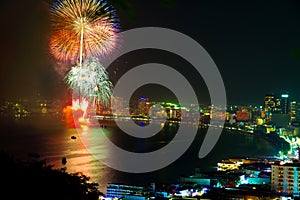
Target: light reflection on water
[78,158]
[52,142]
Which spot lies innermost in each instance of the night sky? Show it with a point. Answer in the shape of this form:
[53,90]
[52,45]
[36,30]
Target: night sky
[255,44]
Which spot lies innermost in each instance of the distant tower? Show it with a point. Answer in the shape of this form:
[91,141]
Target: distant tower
[285,104]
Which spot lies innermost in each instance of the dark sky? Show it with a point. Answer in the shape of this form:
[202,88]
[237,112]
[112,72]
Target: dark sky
[254,43]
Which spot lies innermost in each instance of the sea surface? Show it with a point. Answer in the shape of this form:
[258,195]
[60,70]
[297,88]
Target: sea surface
[48,138]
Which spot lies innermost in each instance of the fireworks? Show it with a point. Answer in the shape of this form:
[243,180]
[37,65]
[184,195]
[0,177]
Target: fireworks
[90,81]
[82,32]
[82,29]
[80,104]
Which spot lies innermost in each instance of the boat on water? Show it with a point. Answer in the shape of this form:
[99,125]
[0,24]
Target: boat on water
[64,160]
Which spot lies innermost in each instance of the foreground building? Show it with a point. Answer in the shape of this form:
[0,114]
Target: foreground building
[285,178]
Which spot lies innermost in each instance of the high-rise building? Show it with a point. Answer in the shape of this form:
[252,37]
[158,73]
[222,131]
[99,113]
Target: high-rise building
[269,101]
[277,109]
[270,105]
[285,104]
[143,106]
[295,111]
[285,178]
[276,104]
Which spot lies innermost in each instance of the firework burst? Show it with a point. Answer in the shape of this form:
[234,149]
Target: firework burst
[90,81]
[83,29]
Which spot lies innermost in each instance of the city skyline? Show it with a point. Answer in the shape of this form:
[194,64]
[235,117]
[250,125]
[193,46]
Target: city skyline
[183,138]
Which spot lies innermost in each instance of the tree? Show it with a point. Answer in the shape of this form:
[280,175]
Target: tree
[34,179]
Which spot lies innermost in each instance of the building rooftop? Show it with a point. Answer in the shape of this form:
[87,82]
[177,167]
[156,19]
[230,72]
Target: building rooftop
[294,164]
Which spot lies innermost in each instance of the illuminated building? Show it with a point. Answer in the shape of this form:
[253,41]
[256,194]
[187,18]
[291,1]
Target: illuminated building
[143,106]
[184,112]
[277,109]
[102,109]
[201,181]
[227,165]
[205,118]
[285,105]
[14,110]
[260,121]
[218,116]
[250,115]
[285,178]
[175,113]
[254,179]
[263,114]
[270,128]
[227,116]
[295,111]
[120,191]
[255,113]
[269,104]
[275,104]
[242,115]
[157,111]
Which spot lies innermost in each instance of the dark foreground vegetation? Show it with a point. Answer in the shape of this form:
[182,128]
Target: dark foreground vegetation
[34,179]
